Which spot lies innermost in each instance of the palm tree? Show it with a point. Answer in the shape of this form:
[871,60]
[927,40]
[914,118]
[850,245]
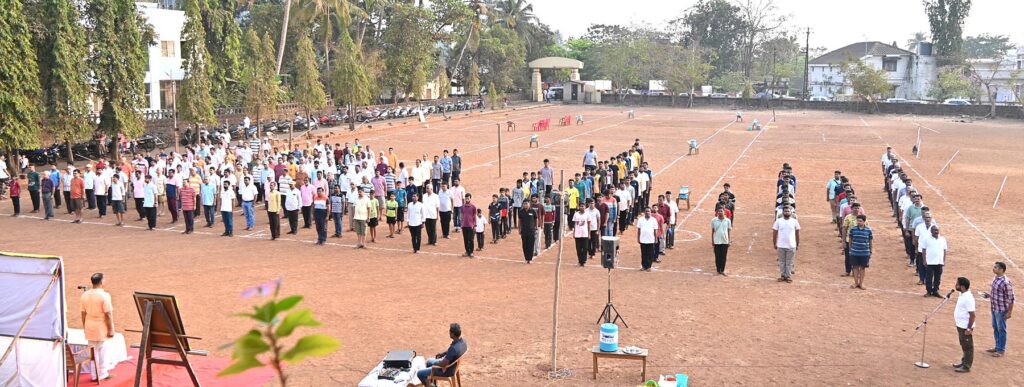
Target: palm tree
[284,34]
[916,41]
[327,16]
[514,13]
[481,9]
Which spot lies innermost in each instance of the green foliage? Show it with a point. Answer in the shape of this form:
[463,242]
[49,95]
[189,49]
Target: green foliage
[748,90]
[729,82]
[444,85]
[867,82]
[952,83]
[194,101]
[275,322]
[309,91]
[501,58]
[64,79]
[946,19]
[408,48]
[258,78]
[449,17]
[19,95]
[915,41]
[623,55]
[118,57]
[717,25]
[473,80]
[350,82]
[987,46]
[224,37]
[687,70]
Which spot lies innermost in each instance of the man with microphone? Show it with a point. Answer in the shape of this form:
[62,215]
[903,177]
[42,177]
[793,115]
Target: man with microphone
[964,316]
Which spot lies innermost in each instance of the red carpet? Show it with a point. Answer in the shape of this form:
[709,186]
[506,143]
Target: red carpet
[206,369]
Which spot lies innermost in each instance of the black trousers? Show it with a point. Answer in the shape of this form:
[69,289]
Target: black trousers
[480,241]
[647,255]
[446,223]
[846,256]
[467,240]
[495,230]
[431,226]
[623,220]
[933,278]
[260,193]
[67,199]
[416,235]
[138,208]
[189,220]
[101,204]
[307,214]
[151,217]
[90,199]
[548,229]
[721,254]
[16,202]
[56,198]
[967,345]
[293,220]
[594,241]
[581,249]
[34,195]
[529,237]
[274,219]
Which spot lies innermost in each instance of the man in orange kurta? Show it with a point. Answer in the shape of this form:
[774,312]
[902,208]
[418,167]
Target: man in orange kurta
[98,318]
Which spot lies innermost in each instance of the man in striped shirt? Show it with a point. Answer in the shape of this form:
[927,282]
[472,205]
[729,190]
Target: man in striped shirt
[188,207]
[859,238]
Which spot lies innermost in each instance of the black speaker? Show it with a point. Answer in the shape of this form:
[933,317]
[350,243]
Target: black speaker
[608,246]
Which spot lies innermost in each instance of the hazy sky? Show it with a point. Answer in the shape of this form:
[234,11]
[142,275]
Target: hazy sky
[833,23]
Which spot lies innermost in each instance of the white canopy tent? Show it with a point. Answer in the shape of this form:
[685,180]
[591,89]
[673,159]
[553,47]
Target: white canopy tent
[32,320]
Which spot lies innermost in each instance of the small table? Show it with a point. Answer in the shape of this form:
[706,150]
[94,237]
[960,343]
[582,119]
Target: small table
[642,356]
[402,380]
[114,349]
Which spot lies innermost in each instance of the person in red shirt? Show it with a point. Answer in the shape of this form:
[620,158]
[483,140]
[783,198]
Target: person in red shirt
[659,234]
[188,207]
[78,195]
[15,190]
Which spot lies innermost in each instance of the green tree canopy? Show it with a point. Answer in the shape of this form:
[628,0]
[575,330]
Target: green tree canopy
[194,101]
[309,92]
[258,78]
[867,82]
[946,19]
[952,83]
[118,60]
[63,77]
[19,96]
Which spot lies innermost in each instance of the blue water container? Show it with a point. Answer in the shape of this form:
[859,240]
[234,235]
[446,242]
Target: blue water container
[609,337]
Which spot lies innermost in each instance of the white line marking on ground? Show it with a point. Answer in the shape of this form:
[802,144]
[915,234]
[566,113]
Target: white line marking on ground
[1001,186]
[864,122]
[708,138]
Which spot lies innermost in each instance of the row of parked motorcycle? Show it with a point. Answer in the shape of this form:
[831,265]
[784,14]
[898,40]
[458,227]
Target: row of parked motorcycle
[87,149]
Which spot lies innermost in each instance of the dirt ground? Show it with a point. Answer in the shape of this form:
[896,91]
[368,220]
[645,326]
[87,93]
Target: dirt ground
[745,329]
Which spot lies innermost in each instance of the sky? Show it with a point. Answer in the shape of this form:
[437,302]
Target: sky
[833,23]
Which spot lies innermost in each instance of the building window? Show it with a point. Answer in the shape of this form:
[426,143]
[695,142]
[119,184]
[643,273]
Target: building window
[166,95]
[148,95]
[889,64]
[168,48]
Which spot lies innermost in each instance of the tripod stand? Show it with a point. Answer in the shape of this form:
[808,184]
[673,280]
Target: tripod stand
[609,308]
[923,326]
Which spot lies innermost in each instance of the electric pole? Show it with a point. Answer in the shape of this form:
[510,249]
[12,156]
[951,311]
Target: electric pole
[807,62]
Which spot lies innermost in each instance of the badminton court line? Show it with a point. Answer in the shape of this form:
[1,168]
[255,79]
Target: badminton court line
[906,162]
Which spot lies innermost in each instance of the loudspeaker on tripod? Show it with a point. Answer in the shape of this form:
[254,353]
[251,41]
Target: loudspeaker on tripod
[609,244]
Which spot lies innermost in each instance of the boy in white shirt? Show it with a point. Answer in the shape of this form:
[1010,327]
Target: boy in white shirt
[481,222]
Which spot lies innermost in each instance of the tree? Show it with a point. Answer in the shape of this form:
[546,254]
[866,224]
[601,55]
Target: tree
[284,39]
[986,59]
[687,71]
[987,46]
[259,81]
[914,42]
[194,101]
[444,85]
[718,26]
[729,82]
[952,83]
[351,83]
[119,53]
[19,96]
[327,18]
[309,92]
[501,58]
[761,19]
[946,19]
[408,45]
[868,83]
[473,80]
[64,80]
[224,38]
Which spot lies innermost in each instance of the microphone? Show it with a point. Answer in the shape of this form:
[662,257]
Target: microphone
[83,287]
[950,293]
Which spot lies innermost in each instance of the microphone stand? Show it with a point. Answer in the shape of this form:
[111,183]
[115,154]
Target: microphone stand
[923,326]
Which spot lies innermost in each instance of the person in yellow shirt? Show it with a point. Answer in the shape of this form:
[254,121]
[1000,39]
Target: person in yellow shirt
[392,158]
[574,195]
[293,169]
[98,321]
[274,211]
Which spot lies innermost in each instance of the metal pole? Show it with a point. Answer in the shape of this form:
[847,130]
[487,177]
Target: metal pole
[558,270]
[174,102]
[499,150]
[807,62]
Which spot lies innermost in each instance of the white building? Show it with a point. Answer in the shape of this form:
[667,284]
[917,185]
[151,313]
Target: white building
[1001,71]
[164,64]
[911,75]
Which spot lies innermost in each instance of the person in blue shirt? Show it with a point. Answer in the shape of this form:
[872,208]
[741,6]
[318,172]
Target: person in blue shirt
[400,196]
[860,239]
[208,194]
[55,178]
[446,168]
[442,363]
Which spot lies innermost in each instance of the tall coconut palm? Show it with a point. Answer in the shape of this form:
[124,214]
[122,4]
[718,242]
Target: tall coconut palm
[916,41]
[473,36]
[514,14]
[325,17]
[284,34]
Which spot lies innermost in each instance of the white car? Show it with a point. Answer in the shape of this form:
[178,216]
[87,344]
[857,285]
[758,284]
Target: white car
[895,100]
[956,101]
[818,98]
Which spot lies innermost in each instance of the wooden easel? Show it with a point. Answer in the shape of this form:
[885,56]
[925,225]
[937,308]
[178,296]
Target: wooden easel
[146,346]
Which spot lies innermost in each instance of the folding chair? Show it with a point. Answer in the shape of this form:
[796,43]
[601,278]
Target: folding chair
[75,360]
[454,381]
[684,194]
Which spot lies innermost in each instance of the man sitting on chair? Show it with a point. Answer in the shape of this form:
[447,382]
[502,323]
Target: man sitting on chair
[98,320]
[445,359]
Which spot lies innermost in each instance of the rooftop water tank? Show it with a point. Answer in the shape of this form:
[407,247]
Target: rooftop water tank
[924,49]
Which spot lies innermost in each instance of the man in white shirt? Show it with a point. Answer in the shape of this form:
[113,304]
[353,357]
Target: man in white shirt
[590,160]
[415,217]
[581,233]
[89,178]
[786,237]
[670,240]
[248,193]
[964,316]
[292,204]
[933,250]
[227,201]
[646,236]
[100,185]
[595,219]
[431,209]
[922,230]
[360,217]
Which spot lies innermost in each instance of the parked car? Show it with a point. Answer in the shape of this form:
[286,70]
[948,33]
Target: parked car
[819,98]
[956,101]
[718,95]
[895,100]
